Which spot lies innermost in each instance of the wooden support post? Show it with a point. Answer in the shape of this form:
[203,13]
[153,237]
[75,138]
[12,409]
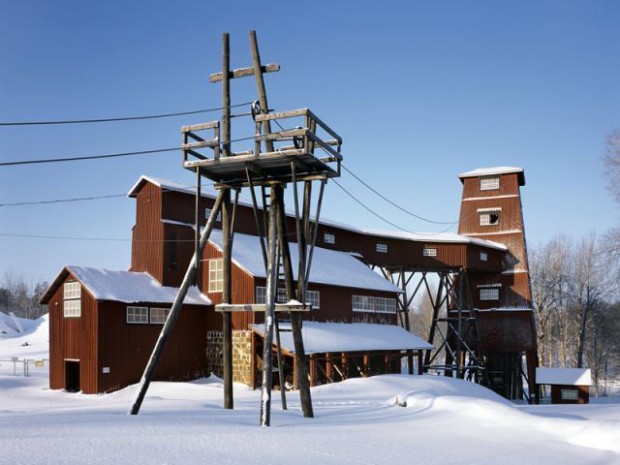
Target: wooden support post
[226,230]
[151,366]
[410,361]
[329,369]
[271,291]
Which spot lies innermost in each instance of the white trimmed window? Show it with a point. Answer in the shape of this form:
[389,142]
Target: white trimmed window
[208,214]
[216,275]
[489,293]
[137,315]
[489,183]
[371,304]
[483,256]
[72,290]
[73,308]
[159,315]
[489,217]
[382,248]
[329,238]
[569,394]
[312,297]
[429,252]
[72,305]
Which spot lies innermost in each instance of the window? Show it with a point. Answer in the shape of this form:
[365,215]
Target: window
[489,293]
[489,217]
[216,275]
[208,214]
[72,290]
[489,183]
[385,305]
[73,308]
[367,303]
[569,394]
[382,248]
[329,238]
[137,315]
[429,252]
[159,315]
[483,256]
[312,297]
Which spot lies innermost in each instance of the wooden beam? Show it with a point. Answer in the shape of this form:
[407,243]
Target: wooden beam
[201,126]
[262,307]
[243,72]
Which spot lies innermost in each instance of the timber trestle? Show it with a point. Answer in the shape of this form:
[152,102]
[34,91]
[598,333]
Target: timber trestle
[457,348]
[306,152]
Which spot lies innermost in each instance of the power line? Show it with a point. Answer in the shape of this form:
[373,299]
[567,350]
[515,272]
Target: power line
[88,157]
[111,155]
[122,118]
[367,208]
[74,199]
[394,203]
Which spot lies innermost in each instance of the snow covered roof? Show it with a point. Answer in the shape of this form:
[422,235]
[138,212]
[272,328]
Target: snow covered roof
[564,376]
[168,185]
[123,286]
[321,338]
[495,171]
[328,266]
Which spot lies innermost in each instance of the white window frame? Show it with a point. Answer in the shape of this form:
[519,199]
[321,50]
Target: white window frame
[485,218]
[72,290]
[312,297]
[429,252]
[208,214]
[72,308]
[484,256]
[489,293]
[372,304]
[489,183]
[329,238]
[136,315]
[158,315]
[569,394]
[381,248]
[216,275]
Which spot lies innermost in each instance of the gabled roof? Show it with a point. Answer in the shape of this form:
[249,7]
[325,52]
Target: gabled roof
[328,266]
[495,171]
[122,286]
[564,376]
[320,338]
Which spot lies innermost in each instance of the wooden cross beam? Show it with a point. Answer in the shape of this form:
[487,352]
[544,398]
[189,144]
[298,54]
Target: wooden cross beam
[244,72]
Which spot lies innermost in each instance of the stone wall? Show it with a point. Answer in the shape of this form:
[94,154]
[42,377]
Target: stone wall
[242,355]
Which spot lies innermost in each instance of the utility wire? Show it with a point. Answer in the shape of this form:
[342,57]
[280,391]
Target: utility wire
[122,118]
[74,199]
[111,155]
[393,203]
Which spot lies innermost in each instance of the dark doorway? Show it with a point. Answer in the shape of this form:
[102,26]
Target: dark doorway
[72,376]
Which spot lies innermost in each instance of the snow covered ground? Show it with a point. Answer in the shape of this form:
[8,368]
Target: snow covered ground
[445,421]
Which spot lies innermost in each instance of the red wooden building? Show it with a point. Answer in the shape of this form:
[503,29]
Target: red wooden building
[343,290]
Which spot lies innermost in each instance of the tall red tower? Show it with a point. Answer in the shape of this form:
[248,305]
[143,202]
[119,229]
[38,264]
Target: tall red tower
[491,209]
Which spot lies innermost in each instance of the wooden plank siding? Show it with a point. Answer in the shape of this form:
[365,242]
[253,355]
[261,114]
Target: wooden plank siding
[73,339]
[147,251]
[242,291]
[126,353]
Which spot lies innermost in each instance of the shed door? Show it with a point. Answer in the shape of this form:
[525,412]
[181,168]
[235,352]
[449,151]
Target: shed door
[72,376]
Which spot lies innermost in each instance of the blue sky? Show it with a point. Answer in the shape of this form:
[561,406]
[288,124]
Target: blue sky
[419,91]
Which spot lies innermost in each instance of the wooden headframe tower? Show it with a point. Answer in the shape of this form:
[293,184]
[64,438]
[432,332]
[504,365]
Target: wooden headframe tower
[306,153]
